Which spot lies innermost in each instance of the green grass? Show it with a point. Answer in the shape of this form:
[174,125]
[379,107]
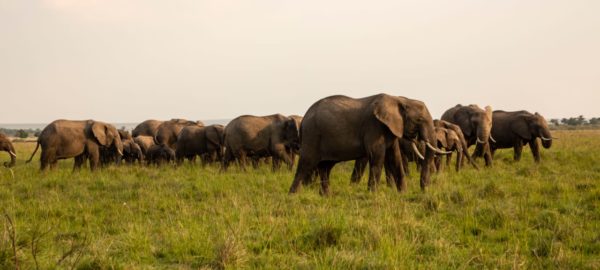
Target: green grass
[514,215]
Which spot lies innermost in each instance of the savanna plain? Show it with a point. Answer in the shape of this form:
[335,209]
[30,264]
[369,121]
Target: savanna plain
[516,215]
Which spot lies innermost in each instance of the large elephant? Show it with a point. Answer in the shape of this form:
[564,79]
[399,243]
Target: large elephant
[340,128]
[260,136]
[146,128]
[205,141]
[167,131]
[81,140]
[464,147]
[7,146]
[516,129]
[145,142]
[475,124]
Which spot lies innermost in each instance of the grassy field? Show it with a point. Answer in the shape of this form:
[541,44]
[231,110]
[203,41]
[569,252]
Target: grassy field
[514,215]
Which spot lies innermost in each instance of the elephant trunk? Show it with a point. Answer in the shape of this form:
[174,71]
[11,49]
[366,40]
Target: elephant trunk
[546,138]
[427,134]
[13,157]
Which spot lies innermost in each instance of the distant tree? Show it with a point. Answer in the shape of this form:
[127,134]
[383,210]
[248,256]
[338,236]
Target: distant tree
[22,134]
[594,121]
[555,122]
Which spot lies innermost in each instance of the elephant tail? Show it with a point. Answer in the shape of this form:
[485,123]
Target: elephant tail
[34,151]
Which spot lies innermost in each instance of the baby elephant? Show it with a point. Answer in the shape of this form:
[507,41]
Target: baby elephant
[132,152]
[159,154]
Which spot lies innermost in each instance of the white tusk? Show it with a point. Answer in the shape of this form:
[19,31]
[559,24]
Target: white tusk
[492,139]
[417,151]
[480,142]
[120,152]
[545,139]
[12,153]
[438,150]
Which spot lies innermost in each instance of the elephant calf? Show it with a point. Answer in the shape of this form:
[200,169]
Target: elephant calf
[132,152]
[205,141]
[159,154]
[448,140]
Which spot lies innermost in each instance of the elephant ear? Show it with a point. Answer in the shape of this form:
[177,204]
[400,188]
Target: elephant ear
[387,111]
[102,134]
[290,129]
[441,134]
[521,128]
[212,135]
[463,120]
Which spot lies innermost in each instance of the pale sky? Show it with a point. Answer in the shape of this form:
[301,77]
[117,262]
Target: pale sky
[131,60]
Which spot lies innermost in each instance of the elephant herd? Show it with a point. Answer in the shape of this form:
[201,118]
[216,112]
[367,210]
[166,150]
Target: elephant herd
[381,131]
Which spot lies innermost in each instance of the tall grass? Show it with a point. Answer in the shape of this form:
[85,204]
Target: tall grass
[514,215]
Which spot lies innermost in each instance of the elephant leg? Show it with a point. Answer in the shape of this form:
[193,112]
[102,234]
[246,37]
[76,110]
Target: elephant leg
[242,159]
[487,154]
[449,160]
[280,152]
[535,150]
[405,164]
[394,168]
[307,166]
[459,160]
[518,150]
[79,160]
[376,160]
[324,169]
[94,155]
[438,163]
[358,170]
[44,160]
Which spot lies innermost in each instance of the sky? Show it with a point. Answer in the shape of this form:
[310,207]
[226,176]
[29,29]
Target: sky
[131,60]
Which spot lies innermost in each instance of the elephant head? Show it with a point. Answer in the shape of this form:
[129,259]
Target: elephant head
[107,136]
[531,126]
[410,119]
[475,122]
[6,145]
[291,133]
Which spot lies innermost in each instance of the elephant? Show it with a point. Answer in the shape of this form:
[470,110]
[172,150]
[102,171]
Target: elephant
[7,146]
[159,154]
[340,128]
[450,141]
[463,143]
[132,152]
[475,124]
[294,149]
[81,140]
[518,128]
[205,141]
[260,136]
[146,128]
[124,134]
[144,142]
[167,131]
